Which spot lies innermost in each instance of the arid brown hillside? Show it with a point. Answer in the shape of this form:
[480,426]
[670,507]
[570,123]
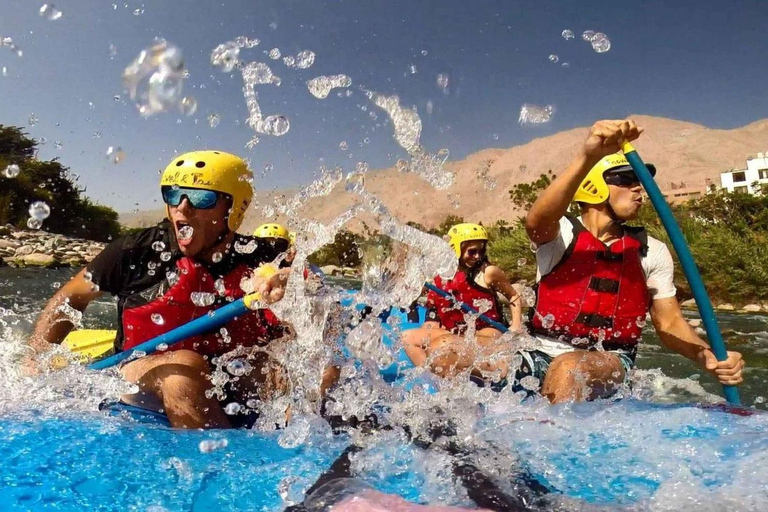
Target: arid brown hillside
[683,153]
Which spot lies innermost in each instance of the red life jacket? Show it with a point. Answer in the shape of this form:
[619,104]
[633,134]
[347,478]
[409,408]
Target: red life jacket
[596,292]
[175,307]
[468,292]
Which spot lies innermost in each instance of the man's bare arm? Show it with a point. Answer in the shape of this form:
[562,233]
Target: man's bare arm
[53,324]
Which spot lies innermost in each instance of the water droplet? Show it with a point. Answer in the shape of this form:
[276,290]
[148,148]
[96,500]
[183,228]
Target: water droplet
[321,86]
[567,34]
[530,383]
[138,12]
[50,12]
[57,144]
[216,257]
[186,232]
[158,246]
[96,135]
[412,70]
[587,35]
[640,322]
[155,78]
[188,105]
[521,262]
[211,445]
[535,114]
[305,59]
[202,299]
[343,145]
[112,51]
[116,154]
[225,56]
[12,171]
[600,43]
[34,223]
[5,71]
[566,65]
[39,210]
[759,400]
[162,347]
[165,256]
[424,52]
[213,120]
[157,319]
[238,367]
[88,276]
[232,408]
[246,248]
[553,58]
[289,61]
[220,287]
[548,321]
[274,53]
[355,182]
[442,82]
[274,125]
[33,119]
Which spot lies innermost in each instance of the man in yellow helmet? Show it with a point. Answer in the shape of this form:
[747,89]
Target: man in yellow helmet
[167,275]
[598,278]
[478,284]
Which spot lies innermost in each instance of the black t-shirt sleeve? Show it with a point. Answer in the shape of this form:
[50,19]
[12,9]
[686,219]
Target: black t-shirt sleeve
[107,268]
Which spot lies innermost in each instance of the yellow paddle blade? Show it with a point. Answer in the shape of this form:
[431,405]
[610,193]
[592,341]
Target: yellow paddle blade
[90,344]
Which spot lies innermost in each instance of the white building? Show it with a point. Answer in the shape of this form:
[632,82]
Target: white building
[752,180]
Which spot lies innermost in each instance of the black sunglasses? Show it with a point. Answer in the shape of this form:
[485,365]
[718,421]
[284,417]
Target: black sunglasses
[622,180]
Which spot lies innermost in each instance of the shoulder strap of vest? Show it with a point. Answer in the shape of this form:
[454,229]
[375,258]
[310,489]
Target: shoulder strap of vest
[639,234]
[578,228]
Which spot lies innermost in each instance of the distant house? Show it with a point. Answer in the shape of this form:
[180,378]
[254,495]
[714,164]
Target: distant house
[681,192]
[752,180]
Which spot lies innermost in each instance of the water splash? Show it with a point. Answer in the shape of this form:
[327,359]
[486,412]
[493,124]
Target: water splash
[322,86]
[155,79]
[535,114]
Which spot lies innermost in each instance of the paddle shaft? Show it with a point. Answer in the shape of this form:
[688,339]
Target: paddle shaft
[212,320]
[706,311]
[468,309]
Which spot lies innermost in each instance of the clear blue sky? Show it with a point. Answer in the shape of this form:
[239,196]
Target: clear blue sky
[702,61]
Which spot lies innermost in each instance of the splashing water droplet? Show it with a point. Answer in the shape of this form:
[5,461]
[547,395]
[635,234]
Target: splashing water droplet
[116,154]
[321,86]
[232,408]
[343,145]
[165,256]
[553,58]
[213,120]
[412,70]
[521,262]
[225,56]
[154,80]
[274,125]
[58,144]
[33,119]
[12,171]
[158,246]
[238,367]
[138,12]
[202,299]
[567,34]
[600,43]
[186,232]
[530,383]
[535,114]
[274,53]
[216,257]
[112,51]
[162,347]
[34,223]
[188,105]
[50,12]
[157,319]
[442,82]
[39,210]
[587,35]
[289,61]
[407,122]
[355,182]
[211,445]
[305,59]
[548,321]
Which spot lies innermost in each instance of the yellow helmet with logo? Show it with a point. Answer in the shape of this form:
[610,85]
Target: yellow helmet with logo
[272,230]
[593,188]
[213,170]
[461,233]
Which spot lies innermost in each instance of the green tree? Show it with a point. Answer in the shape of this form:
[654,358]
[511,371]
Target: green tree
[51,182]
[523,195]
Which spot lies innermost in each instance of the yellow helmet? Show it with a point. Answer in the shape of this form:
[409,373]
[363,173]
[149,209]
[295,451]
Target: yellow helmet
[593,188]
[213,170]
[461,233]
[272,231]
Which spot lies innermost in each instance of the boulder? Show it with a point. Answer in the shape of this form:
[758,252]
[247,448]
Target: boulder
[24,250]
[752,308]
[37,259]
[5,230]
[725,307]
[690,304]
[22,235]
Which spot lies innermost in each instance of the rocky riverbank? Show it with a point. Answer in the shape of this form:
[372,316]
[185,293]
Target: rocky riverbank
[24,248]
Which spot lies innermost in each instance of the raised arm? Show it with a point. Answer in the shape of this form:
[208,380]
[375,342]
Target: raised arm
[542,223]
[54,324]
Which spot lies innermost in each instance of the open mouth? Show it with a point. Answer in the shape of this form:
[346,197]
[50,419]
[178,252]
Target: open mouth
[184,232]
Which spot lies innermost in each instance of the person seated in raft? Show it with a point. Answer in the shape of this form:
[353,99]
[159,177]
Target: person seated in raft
[598,278]
[167,275]
[478,284]
[284,241]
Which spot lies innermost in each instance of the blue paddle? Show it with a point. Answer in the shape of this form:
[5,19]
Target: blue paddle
[468,309]
[686,260]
